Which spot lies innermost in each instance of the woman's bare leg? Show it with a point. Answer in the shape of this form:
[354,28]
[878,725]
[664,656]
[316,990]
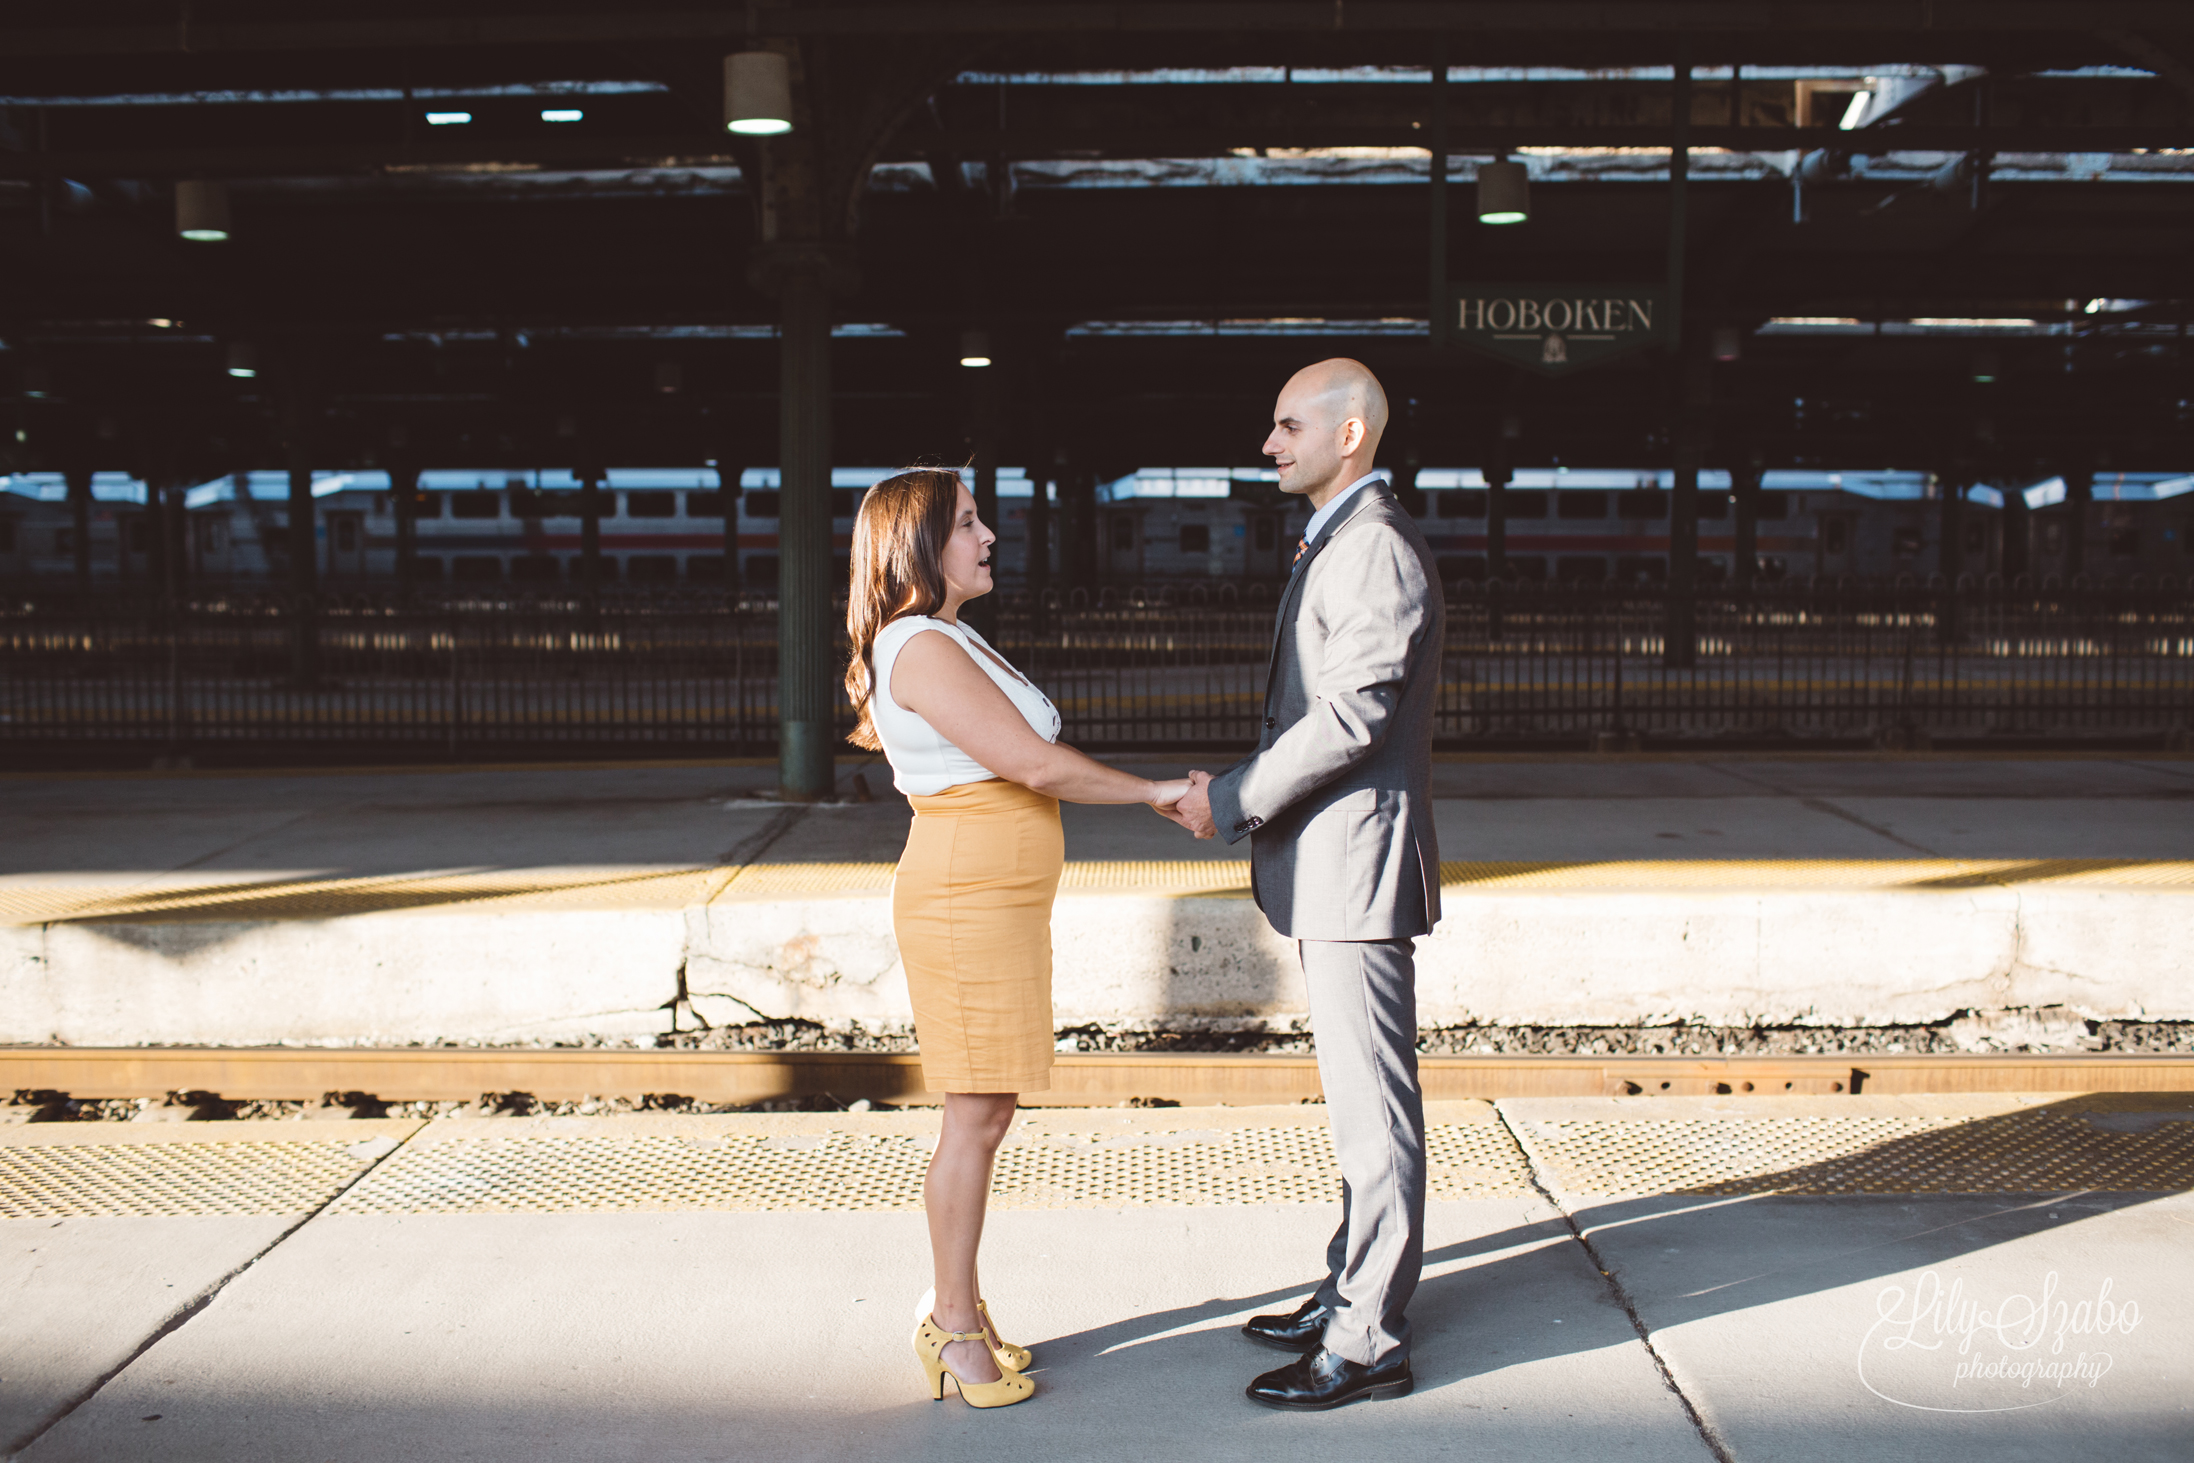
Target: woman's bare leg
[955,1193]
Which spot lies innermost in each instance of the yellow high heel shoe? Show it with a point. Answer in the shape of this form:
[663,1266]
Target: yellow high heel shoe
[930,1341]
[1018,1358]
[1004,1352]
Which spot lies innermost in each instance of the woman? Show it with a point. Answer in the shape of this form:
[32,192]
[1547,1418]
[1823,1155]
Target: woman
[974,747]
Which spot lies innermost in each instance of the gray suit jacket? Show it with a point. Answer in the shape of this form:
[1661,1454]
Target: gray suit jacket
[1336,800]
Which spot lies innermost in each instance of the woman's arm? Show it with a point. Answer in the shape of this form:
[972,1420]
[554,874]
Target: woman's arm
[936,679]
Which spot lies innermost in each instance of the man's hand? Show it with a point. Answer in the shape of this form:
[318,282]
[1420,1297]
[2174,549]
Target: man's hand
[1193,811]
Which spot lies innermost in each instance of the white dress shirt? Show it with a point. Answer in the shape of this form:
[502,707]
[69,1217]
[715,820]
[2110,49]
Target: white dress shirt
[1324,515]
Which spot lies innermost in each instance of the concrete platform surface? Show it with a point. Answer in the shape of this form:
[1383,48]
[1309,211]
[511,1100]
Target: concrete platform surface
[552,1289]
[624,902]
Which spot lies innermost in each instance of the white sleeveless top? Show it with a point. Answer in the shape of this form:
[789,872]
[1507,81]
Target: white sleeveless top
[922,761]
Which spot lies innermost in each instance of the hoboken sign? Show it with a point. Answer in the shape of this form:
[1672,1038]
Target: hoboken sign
[1556,328]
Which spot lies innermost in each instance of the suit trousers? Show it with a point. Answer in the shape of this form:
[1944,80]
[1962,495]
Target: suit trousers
[1363,1010]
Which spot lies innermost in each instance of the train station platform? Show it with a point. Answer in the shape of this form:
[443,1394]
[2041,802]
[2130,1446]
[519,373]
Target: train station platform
[628,903]
[1775,1279]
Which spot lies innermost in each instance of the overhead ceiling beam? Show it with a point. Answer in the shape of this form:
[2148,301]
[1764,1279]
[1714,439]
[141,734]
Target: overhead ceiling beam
[1031,144]
[1938,19]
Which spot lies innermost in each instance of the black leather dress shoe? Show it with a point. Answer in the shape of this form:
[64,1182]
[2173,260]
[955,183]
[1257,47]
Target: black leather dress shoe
[1322,1380]
[1299,1331]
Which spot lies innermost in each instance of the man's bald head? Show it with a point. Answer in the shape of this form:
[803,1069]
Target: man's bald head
[1326,427]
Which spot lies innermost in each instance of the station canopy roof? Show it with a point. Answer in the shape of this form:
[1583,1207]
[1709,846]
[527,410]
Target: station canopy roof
[1947,238]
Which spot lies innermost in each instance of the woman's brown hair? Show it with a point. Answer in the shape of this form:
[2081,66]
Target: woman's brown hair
[899,539]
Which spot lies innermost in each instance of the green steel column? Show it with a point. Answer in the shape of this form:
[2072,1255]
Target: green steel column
[983,613]
[1744,508]
[807,645]
[1680,631]
[79,484]
[304,525]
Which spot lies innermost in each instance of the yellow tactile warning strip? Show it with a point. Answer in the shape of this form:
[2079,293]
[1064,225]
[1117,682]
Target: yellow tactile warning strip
[155,1180]
[1101,1159]
[2047,1150]
[854,1170]
[29,903]
[276,899]
[1231,876]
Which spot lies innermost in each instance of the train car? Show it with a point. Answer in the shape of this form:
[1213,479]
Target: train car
[666,527]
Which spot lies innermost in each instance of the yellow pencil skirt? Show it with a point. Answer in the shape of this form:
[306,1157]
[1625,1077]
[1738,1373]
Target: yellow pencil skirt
[971,906]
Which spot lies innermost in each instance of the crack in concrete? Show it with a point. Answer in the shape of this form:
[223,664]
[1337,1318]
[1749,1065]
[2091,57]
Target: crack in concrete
[198,1303]
[1542,1182]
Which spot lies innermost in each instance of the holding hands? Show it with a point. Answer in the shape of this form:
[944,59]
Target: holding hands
[1187,801]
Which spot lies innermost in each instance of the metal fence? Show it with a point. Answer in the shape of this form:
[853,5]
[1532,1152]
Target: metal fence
[470,675]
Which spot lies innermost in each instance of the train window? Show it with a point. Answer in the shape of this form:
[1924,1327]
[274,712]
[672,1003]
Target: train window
[1641,569]
[1267,534]
[1529,567]
[1714,506]
[476,569]
[705,568]
[708,503]
[1712,571]
[1643,503]
[1772,568]
[2125,543]
[1835,536]
[841,502]
[345,526]
[1976,538]
[762,504]
[1462,566]
[1123,532]
[1771,505]
[1905,542]
[1526,505]
[533,569]
[606,571]
[762,568]
[1195,538]
[1580,568]
[1462,503]
[427,569]
[475,505]
[651,505]
[652,568]
[427,505]
[1577,504]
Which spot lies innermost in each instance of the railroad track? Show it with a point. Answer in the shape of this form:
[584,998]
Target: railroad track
[1078,1079]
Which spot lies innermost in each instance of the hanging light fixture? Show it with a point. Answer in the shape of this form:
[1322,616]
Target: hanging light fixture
[974,348]
[1986,368]
[202,211]
[1504,192]
[1728,342]
[669,377]
[243,360]
[757,93]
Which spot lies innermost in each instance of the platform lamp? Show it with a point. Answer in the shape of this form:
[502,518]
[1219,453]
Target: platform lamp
[202,211]
[243,360]
[1504,192]
[975,348]
[757,93]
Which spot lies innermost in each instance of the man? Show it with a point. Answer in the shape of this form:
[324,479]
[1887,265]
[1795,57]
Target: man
[1336,803]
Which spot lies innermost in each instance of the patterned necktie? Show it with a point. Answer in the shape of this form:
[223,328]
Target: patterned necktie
[1301,548]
